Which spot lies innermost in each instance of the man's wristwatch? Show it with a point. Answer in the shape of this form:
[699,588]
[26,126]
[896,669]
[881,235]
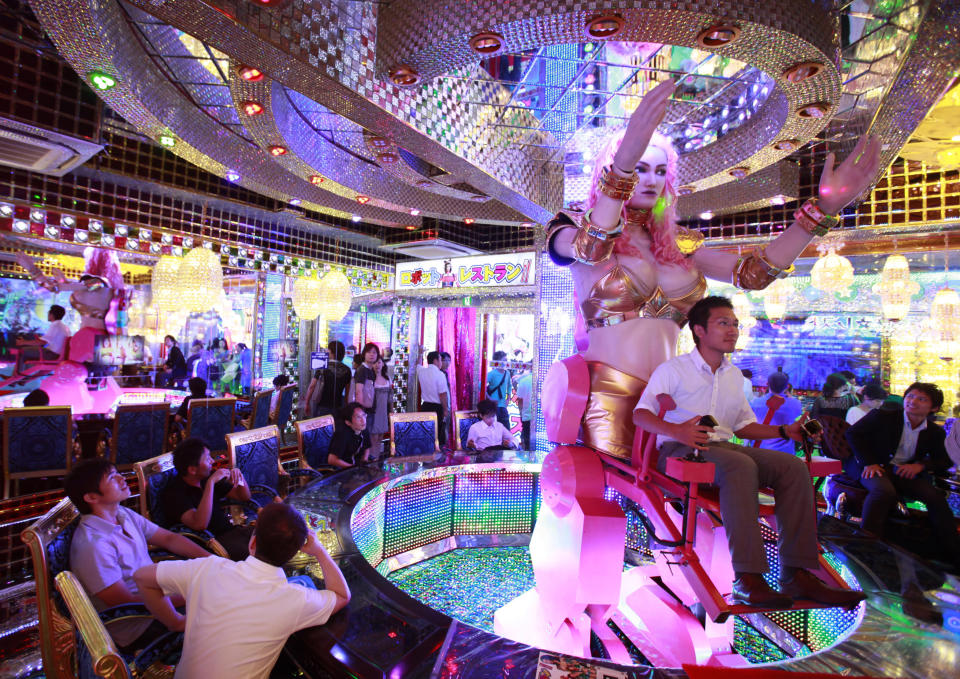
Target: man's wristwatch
[783,432]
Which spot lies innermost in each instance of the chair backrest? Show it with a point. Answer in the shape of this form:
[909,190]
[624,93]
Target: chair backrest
[260,409]
[313,440]
[154,475]
[257,454]
[773,405]
[285,407]
[413,434]
[211,419]
[139,433]
[462,421]
[834,443]
[48,540]
[36,442]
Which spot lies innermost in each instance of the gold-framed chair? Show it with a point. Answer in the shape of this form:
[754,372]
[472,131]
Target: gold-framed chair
[37,442]
[139,433]
[462,421]
[256,453]
[313,442]
[413,434]
[259,410]
[153,475]
[284,409]
[211,419]
[64,609]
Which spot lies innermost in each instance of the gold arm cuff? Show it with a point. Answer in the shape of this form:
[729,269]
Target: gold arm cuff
[755,271]
[616,186]
[814,220]
[592,244]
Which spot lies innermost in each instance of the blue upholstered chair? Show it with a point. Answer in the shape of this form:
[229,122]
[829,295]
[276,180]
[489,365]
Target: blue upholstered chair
[73,635]
[153,476]
[284,409]
[313,442]
[139,433]
[257,454]
[413,434]
[462,421]
[211,419]
[259,410]
[36,442]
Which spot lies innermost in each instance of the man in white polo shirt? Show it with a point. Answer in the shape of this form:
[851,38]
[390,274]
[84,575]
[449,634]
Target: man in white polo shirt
[704,382]
[239,615]
[434,394]
[488,432]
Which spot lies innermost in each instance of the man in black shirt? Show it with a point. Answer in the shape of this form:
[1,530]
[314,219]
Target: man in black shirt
[175,368]
[336,378]
[350,444]
[192,497]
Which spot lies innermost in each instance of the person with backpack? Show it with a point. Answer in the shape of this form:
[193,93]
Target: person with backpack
[498,389]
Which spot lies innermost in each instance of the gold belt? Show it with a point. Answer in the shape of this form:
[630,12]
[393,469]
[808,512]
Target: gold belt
[606,320]
[607,423]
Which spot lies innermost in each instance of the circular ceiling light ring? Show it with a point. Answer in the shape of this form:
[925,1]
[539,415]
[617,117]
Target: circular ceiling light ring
[685,190]
[604,26]
[478,198]
[250,74]
[738,172]
[486,43]
[787,145]
[802,71]
[718,35]
[387,157]
[404,76]
[815,110]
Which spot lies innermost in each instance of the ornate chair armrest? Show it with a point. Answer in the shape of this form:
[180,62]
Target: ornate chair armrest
[157,554]
[249,508]
[204,538]
[104,656]
[262,495]
[159,657]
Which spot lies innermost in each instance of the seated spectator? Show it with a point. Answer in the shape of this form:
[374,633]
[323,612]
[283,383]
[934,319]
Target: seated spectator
[110,543]
[52,342]
[489,433]
[193,497]
[873,397]
[37,397]
[704,382]
[900,451]
[198,389]
[239,615]
[350,444]
[196,366]
[789,412]
[278,382]
[836,397]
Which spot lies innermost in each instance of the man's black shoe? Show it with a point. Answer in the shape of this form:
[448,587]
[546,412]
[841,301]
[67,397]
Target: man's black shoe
[805,585]
[751,589]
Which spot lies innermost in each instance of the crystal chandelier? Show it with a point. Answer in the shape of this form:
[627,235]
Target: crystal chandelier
[945,324]
[165,295]
[306,298]
[831,272]
[895,288]
[776,297]
[200,280]
[744,311]
[335,296]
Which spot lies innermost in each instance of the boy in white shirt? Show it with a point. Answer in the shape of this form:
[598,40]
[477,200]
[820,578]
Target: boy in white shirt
[488,433]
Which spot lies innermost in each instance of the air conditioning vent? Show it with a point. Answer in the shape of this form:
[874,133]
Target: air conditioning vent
[432,249]
[39,150]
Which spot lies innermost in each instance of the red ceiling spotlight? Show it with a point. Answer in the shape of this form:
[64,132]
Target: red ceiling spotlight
[316,179]
[424,183]
[739,172]
[363,200]
[469,220]
[718,35]
[411,227]
[486,43]
[604,26]
[252,108]
[379,142]
[800,72]
[787,145]
[526,225]
[278,150]
[404,76]
[387,157]
[250,74]
[817,110]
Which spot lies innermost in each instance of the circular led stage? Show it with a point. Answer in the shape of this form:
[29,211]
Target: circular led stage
[456,539]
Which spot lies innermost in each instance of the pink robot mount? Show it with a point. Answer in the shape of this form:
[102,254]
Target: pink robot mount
[578,547]
[67,386]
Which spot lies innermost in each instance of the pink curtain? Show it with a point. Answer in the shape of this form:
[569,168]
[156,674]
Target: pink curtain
[457,335]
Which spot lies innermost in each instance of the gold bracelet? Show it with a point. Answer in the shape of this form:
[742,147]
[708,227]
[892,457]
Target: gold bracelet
[614,186]
[814,220]
[755,271]
[592,244]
